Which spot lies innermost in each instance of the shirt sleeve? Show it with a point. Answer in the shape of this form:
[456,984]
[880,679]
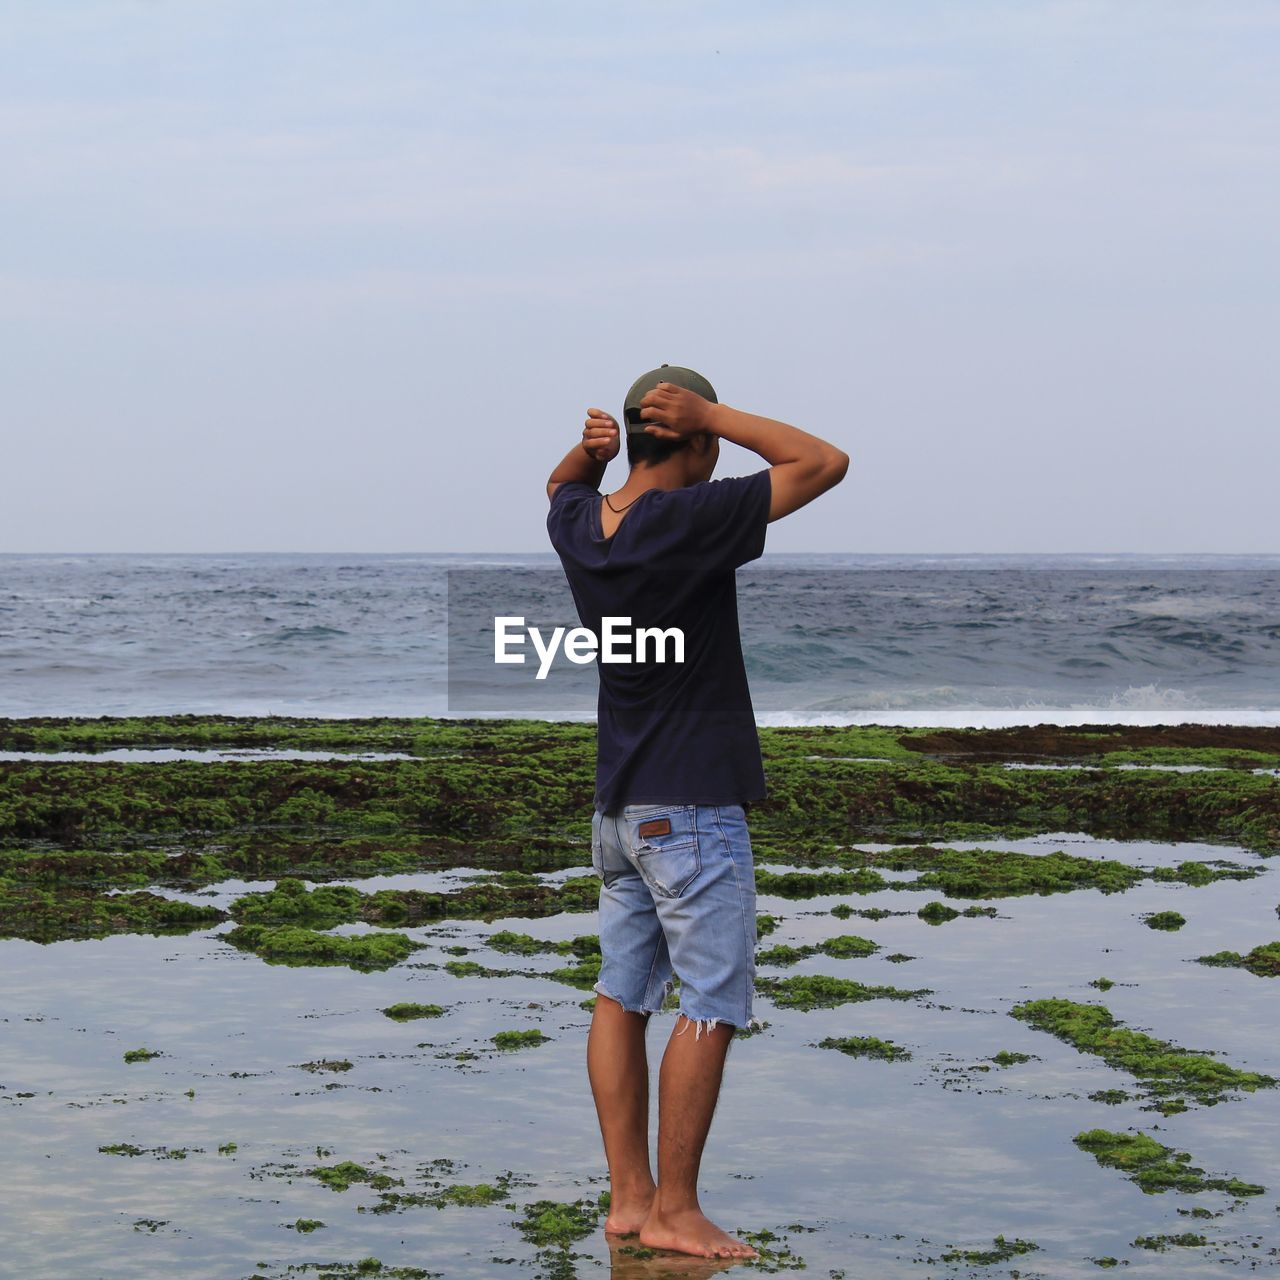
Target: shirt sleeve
[564,500]
[730,518]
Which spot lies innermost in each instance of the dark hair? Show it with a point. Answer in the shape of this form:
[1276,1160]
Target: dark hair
[643,447]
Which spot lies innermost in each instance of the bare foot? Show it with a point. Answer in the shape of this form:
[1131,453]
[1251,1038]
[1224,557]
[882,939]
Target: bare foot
[627,1214]
[691,1231]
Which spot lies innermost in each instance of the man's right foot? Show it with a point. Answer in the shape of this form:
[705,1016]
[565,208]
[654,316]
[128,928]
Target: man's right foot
[626,1216]
[691,1231]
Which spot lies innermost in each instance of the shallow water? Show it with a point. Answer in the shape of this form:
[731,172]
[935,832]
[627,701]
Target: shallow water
[867,1166]
[1157,768]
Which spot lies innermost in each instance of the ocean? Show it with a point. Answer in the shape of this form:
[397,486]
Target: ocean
[947,640]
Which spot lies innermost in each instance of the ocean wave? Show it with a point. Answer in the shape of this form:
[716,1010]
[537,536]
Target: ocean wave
[290,635]
[942,640]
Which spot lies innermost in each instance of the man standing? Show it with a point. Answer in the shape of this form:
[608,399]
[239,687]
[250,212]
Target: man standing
[678,759]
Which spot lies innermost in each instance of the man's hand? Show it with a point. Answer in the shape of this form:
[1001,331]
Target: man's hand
[600,436]
[586,461]
[672,412]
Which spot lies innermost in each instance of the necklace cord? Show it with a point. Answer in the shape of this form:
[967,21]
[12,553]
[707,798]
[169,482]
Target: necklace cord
[617,511]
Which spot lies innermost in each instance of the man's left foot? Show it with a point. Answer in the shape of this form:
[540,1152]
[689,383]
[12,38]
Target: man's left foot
[627,1215]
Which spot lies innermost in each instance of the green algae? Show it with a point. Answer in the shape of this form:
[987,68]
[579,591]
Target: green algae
[267,854]
[519,1039]
[994,873]
[1169,1073]
[513,780]
[1167,921]
[1010,1058]
[821,991]
[160,1153]
[557,1224]
[35,914]
[408,1011]
[585,974]
[584,945]
[1103,984]
[1263,960]
[475,1195]
[867,1047]
[1154,1167]
[772,1257]
[289,902]
[937,913]
[305,1226]
[501,791]
[827,743]
[812,884]
[521,944]
[1094,743]
[474,969]
[443,1196]
[1229,746]
[327,1064]
[1202,873]
[102,733]
[1110,1097]
[347,1173]
[1001,1250]
[974,873]
[1183,1240]
[141,1055]
[846,946]
[294,945]
[354,1270]
[765,924]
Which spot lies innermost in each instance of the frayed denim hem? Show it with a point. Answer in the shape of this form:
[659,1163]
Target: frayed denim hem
[700,1024]
[600,990]
[711,1023]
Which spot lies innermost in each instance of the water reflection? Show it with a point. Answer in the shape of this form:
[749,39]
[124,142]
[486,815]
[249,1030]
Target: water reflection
[865,1166]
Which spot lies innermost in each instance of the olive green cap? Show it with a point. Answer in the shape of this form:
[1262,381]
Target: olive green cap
[646,382]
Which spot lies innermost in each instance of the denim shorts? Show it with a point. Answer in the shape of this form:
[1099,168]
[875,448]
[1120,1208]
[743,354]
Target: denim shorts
[678,897]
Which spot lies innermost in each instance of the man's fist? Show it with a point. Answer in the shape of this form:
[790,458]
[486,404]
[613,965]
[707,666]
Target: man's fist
[672,412]
[600,436]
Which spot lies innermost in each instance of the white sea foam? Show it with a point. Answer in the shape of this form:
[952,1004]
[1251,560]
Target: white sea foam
[1187,609]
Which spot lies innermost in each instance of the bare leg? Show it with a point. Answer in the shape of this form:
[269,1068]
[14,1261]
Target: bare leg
[689,1085]
[619,1071]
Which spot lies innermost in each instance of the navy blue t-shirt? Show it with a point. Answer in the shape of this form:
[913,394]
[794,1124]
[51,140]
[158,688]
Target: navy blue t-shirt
[668,732]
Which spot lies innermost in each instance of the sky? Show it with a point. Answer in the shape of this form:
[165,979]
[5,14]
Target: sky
[316,276]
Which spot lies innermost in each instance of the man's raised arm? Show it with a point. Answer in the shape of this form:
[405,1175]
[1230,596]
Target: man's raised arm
[801,465]
[586,461]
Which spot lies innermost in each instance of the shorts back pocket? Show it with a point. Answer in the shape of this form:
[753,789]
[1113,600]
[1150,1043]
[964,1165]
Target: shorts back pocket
[664,842]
